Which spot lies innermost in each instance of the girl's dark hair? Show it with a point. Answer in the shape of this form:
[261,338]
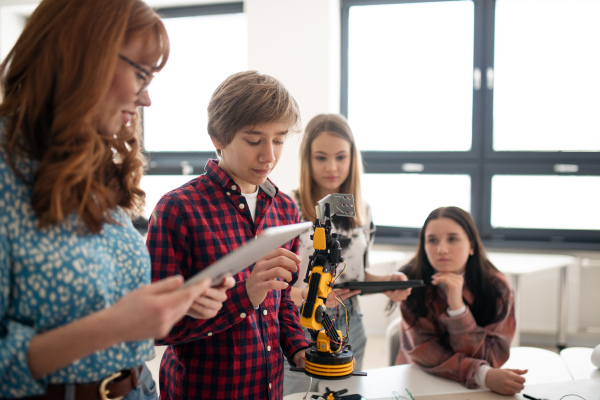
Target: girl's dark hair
[489,305]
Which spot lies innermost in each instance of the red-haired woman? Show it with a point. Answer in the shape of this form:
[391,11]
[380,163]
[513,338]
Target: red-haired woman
[77,312]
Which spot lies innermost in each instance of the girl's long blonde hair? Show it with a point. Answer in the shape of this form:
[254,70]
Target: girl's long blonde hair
[52,83]
[337,125]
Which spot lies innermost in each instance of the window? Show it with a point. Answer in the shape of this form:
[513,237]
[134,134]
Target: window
[486,105]
[391,192]
[580,212]
[208,43]
[413,71]
[546,76]
[205,49]
[156,186]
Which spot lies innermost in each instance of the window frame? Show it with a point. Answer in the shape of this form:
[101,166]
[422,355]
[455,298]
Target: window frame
[482,161]
[186,162]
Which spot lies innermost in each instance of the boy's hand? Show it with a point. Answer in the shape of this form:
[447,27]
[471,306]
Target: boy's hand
[271,273]
[300,358]
[505,381]
[208,304]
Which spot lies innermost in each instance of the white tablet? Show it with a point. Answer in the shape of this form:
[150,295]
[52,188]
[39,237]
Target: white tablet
[252,251]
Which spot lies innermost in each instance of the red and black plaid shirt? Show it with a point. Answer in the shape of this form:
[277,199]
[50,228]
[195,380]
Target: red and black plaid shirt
[239,353]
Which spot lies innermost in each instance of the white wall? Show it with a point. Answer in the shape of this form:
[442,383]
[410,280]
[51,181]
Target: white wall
[12,20]
[298,42]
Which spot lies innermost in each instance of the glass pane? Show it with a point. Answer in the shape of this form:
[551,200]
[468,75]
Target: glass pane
[156,186]
[204,51]
[410,84]
[424,193]
[546,76]
[545,202]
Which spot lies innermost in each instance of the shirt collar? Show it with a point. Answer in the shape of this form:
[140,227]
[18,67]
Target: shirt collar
[217,175]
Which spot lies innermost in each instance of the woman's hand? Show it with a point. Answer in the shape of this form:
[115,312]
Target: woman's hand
[151,311]
[453,285]
[505,381]
[342,294]
[400,294]
[208,304]
[148,312]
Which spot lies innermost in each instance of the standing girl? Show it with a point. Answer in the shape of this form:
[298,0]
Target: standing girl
[460,325]
[330,163]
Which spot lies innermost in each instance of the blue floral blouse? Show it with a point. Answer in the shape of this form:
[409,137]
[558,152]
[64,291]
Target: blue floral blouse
[55,275]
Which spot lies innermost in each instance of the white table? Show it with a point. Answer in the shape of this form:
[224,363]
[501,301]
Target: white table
[381,382]
[579,362]
[588,389]
[300,396]
[516,265]
[544,367]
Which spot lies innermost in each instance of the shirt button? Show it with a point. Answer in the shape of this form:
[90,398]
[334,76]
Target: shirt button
[270,386]
[243,315]
[233,187]
[242,205]
[268,348]
[228,193]
[209,333]
[265,312]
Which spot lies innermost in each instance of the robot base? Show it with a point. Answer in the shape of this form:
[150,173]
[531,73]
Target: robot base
[329,366]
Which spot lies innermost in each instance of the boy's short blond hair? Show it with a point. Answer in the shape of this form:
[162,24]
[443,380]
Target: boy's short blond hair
[246,99]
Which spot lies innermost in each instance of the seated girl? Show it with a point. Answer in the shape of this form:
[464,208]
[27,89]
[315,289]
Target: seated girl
[460,325]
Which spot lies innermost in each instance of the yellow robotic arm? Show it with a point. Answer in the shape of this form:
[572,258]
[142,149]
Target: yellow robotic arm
[329,356]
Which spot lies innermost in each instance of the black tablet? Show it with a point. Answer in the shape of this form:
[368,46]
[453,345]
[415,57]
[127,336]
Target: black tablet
[379,286]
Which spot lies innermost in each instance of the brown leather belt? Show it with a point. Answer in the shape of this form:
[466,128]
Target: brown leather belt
[113,387]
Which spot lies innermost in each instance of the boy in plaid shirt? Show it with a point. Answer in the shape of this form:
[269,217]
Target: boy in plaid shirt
[240,352]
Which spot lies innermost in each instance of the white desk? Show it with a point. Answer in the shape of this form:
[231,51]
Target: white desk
[544,367]
[300,396]
[579,362]
[381,382]
[588,389]
[515,265]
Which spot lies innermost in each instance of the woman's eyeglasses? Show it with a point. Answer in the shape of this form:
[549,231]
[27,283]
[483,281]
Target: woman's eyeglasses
[145,75]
